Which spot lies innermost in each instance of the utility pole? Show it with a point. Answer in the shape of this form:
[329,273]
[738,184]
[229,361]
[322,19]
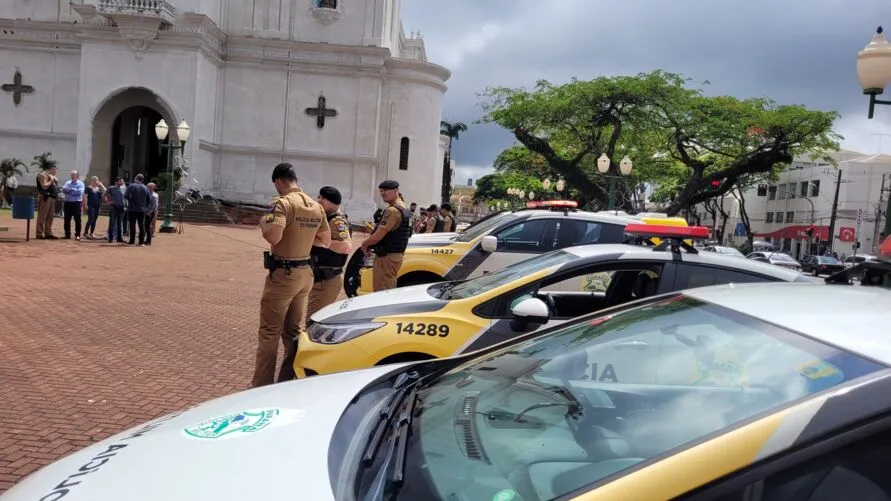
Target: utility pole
[834,211]
[876,227]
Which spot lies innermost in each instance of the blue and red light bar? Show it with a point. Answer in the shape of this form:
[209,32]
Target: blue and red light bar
[552,204]
[665,231]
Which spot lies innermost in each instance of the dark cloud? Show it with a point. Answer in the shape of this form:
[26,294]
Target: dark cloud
[794,51]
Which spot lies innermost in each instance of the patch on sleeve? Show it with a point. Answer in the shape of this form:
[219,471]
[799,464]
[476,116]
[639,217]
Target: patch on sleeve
[341,226]
[270,217]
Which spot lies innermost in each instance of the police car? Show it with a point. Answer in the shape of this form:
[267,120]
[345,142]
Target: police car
[505,238]
[730,393]
[869,272]
[446,318]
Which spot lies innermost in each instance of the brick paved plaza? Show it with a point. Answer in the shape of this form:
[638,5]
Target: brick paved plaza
[99,337]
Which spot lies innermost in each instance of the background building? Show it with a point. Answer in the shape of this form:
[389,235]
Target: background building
[332,86]
[805,194]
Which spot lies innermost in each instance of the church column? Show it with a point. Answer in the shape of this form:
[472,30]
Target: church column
[375,15]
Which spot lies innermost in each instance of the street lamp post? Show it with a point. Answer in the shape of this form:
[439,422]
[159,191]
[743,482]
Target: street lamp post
[874,73]
[603,166]
[182,133]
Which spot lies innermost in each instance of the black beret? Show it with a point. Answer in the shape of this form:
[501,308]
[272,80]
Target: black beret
[330,194]
[389,184]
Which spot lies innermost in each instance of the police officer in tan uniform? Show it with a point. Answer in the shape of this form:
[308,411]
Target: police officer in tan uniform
[47,193]
[447,217]
[435,221]
[295,223]
[390,237]
[328,262]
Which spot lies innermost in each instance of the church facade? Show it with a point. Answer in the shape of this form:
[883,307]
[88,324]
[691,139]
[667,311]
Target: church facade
[332,86]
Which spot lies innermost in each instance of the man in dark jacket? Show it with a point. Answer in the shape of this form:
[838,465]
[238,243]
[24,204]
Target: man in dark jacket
[139,201]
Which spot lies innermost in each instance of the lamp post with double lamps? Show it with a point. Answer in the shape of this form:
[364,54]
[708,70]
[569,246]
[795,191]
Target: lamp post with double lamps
[603,166]
[182,133]
[874,73]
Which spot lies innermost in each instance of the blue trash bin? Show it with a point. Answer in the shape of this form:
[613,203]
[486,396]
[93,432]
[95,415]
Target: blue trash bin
[23,207]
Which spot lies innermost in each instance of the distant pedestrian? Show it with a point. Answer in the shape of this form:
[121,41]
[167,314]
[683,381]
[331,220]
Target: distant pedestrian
[115,197]
[93,193]
[74,200]
[139,201]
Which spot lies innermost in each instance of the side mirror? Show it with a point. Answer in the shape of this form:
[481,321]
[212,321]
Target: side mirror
[529,312]
[489,244]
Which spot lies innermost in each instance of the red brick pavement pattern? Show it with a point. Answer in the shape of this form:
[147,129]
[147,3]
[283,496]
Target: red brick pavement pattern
[97,337]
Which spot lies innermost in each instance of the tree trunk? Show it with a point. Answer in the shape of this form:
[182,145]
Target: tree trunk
[744,217]
[446,191]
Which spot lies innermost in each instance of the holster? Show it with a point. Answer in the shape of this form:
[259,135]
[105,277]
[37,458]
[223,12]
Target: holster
[269,261]
[379,250]
[322,273]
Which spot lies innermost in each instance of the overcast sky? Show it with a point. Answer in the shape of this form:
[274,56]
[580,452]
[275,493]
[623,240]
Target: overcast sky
[794,51]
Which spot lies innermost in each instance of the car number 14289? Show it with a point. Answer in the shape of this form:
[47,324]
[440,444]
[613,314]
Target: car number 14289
[422,329]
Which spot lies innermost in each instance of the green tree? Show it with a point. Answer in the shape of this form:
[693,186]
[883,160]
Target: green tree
[44,162]
[679,140]
[453,130]
[493,187]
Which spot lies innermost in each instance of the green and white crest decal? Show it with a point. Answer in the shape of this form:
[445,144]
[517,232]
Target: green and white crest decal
[249,421]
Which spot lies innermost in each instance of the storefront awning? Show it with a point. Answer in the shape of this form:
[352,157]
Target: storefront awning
[799,232]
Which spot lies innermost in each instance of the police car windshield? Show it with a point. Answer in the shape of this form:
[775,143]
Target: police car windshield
[508,274]
[575,405]
[480,229]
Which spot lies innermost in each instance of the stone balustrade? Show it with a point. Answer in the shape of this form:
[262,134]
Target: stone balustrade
[160,9]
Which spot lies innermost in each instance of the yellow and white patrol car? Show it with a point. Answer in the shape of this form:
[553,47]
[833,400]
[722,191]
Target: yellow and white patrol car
[752,392]
[498,241]
[447,318]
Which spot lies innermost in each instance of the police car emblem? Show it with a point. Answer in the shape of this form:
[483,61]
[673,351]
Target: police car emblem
[249,421]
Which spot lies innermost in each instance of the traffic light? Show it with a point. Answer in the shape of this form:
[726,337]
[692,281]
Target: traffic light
[810,231]
[716,183]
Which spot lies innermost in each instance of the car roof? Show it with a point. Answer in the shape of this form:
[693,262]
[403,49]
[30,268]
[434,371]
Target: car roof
[602,252]
[850,317]
[578,214]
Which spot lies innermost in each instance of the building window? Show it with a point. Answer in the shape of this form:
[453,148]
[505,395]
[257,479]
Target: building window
[403,154]
[815,188]
[769,218]
[772,194]
[779,217]
[326,4]
[802,188]
[790,217]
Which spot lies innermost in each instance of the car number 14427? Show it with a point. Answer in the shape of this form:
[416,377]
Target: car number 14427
[442,251]
[422,329]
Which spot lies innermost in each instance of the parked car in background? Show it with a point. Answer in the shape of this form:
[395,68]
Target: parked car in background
[726,251]
[860,258]
[821,265]
[776,258]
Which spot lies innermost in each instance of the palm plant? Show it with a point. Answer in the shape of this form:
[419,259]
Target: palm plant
[43,161]
[10,167]
[452,130]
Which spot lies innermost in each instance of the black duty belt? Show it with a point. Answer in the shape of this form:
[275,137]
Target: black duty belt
[291,263]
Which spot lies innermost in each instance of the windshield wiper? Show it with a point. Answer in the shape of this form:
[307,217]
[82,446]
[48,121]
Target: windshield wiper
[447,289]
[400,440]
[401,386]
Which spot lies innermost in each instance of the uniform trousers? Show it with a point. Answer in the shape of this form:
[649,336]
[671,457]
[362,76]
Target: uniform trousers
[385,270]
[282,317]
[45,215]
[324,292]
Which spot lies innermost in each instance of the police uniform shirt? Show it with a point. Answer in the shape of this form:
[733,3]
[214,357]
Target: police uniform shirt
[431,224]
[392,217]
[302,218]
[340,230]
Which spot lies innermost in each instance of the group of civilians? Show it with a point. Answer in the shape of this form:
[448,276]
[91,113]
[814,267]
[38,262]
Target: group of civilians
[132,207]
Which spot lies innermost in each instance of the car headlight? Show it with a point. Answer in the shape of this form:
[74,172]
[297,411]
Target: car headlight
[334,334]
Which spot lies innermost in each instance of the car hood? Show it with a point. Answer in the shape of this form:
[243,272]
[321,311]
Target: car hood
[265,443]
[398,301]
[431,239]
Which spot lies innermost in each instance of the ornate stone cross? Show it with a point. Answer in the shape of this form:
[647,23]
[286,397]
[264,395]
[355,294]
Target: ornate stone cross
[321,113]
[17,88]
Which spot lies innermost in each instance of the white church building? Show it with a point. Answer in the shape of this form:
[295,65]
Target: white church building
[332,86]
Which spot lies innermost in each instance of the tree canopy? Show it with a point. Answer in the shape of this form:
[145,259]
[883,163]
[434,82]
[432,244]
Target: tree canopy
[691,147]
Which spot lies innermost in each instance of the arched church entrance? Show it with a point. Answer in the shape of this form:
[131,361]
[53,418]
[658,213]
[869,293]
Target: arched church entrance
[124,140]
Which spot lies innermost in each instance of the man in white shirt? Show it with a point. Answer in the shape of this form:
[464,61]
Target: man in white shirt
[151,217]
